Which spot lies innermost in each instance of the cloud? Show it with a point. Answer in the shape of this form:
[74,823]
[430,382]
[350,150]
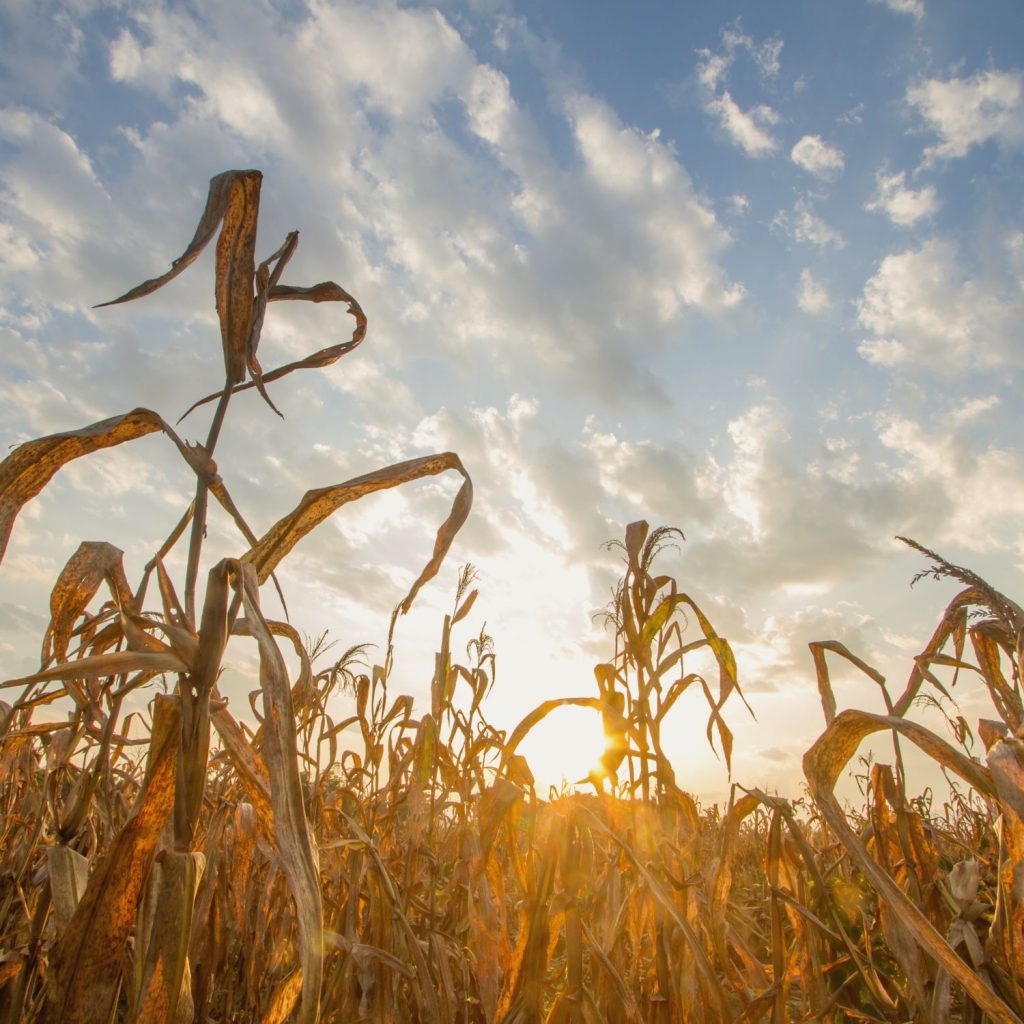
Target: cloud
[925,312]
[817,157]
[787,521]
[915,8]
[902,205]
[472,231]
[968,112]
[812,297]
[943,453]
[748,129]
[803,225]
[765,54]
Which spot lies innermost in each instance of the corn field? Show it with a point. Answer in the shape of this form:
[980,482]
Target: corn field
[188,863]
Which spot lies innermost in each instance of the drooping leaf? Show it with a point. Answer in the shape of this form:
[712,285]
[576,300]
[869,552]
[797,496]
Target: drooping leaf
[538,714]
[88,567]
[327,291]
[31,466]
[318,505]
[823,764]
[828,700]
[294,839]
[234,200]
[236,270]
[217,201]
[99,665]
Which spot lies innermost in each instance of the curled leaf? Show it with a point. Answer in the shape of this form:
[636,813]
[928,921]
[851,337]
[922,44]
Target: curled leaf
[318,505]
[233,198]
[327,291]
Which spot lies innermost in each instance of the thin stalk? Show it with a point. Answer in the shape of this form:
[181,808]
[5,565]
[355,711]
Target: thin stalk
[195,545]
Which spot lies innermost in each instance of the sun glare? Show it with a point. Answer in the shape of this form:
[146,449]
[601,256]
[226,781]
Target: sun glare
[567,747]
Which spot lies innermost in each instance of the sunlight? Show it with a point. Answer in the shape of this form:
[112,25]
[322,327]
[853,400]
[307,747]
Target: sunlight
[566,747]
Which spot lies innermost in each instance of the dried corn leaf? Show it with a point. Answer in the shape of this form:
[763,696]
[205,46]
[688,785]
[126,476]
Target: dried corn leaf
[88,567]
[102,665]
[69,875]
[326,291]
[1006,763]
[236,270]
[294,839]
[86,965]
[248,764]
[823,764]
[828,700]
[31,466]
[317,505]
[217,201]
[233,198]
[538,714]
[178,874]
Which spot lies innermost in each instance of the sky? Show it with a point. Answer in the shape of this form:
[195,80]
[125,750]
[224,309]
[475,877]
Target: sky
[752,270]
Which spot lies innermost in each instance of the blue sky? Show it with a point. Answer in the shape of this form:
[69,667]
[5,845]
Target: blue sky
[754,270]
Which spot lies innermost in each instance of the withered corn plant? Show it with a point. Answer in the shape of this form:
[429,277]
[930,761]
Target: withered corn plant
[396,864]
[104,852]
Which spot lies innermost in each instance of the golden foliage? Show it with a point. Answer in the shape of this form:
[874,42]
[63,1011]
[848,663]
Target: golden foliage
[388,867]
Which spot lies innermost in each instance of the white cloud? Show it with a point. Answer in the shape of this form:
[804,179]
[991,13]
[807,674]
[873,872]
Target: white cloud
[803,225]
[915,8]
[817,157]
[48,181]
[812,297]
[966,112]
[496,250]
[964,471]
[765,55]
[748,129]
[902,205]
[739,202]
[924,311]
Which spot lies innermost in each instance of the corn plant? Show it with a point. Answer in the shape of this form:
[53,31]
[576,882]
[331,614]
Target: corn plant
[125,925]
[337,853]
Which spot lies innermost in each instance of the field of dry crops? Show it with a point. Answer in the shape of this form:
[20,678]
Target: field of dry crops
[180,864]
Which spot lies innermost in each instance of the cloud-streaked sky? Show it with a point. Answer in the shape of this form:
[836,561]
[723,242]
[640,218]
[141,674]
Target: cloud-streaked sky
[752,270]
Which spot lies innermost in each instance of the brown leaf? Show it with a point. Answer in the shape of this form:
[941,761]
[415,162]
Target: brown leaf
[265,280]
[217,201]
[178,875]
[86,965]
[317,505]
[327,291]
[234,198]
[823,764]
[100,665]
[88,567]
[249,765]
[1006,762]
[31,466]
[236,270]
[295,843]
